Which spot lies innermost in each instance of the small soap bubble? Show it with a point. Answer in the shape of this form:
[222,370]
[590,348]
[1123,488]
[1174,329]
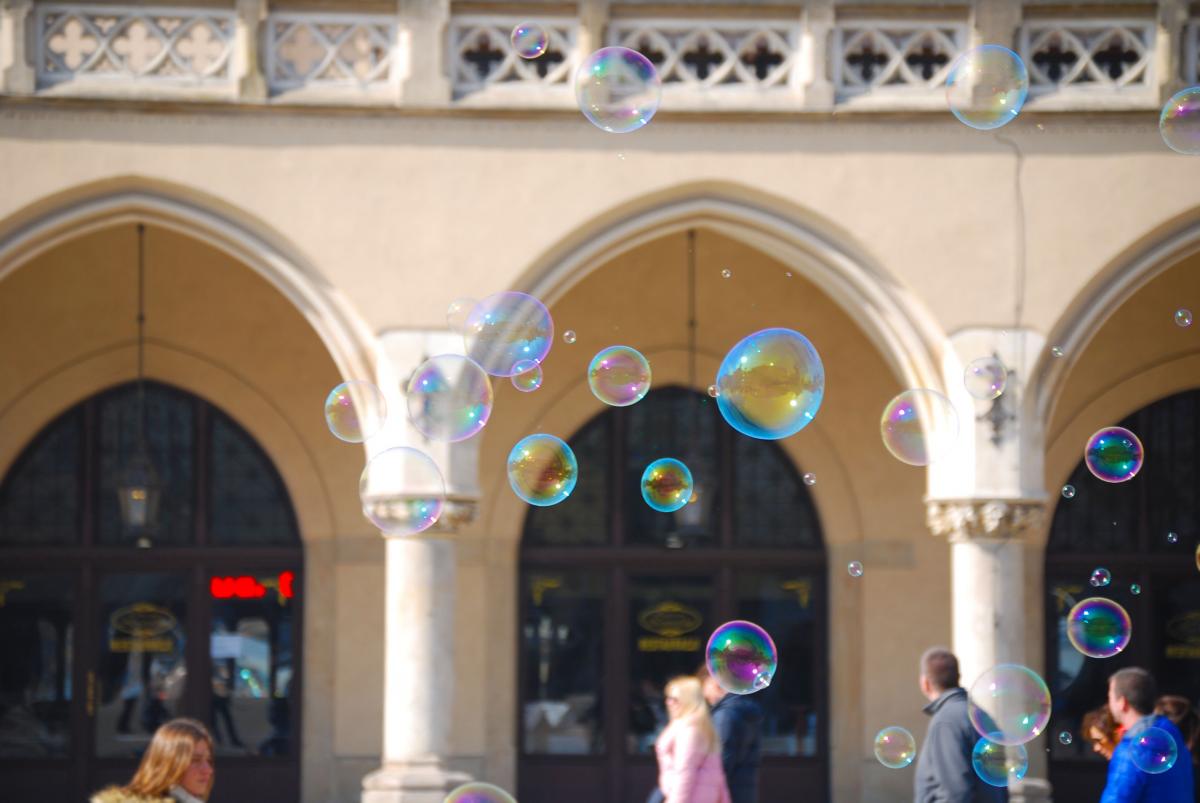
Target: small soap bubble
[479,793]
[618,89]
[1113,454]
[895,747]
[1183,318]
[1057,351]
[1154,749]
[1172,538]
[619,376]
[1068,491]
[985,378]
[529,376]
[1179,123]
[787,274]
[713,391]
[810,479]
[726,273]
[542,470]
[529,40]
[919,426]
[667,485]
[1099,627]
[997,764]
[355,411]
[1135,589]
[1065,737]
[1010,703]
[1100,577]
[569,336]
[402,491]
[741,657]
[986,86]
[854,568]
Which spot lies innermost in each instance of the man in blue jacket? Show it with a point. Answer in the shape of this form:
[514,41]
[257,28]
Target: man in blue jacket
[1131,696]
[738,721]
[944,772]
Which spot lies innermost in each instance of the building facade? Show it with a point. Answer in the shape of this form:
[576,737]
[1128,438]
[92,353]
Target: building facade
[316,184]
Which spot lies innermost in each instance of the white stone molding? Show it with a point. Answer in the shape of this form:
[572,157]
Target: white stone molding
[350,53]
[1090,63]
[110,47]
[881,62]
[485,68]
[720,63]
[973,519]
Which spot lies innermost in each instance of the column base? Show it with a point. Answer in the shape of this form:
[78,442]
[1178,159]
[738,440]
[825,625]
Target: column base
[1029,790]
[414,781]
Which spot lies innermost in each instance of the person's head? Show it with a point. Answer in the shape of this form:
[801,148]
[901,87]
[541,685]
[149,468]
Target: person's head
[180,754]
[713,693]
[1131,695]
[1100,729]
[938,672]
[685,701]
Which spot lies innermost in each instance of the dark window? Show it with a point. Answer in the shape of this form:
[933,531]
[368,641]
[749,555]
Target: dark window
[248,503]
[40,497]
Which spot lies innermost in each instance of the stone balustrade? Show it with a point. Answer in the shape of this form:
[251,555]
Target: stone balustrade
[770,56]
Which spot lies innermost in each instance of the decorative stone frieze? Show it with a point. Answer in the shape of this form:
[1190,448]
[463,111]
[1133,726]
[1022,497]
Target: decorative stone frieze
[970,519]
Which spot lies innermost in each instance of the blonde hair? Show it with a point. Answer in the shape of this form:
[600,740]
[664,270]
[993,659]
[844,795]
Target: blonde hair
[168,757]
[690,694]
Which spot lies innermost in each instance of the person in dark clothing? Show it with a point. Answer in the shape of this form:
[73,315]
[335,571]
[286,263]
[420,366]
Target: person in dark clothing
[738,720]
[1131,694]
[944,771]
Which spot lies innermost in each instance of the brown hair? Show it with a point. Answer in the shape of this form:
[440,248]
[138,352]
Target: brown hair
[168,757]
[941,667]
[1101,721]
[1136,685]
[1183,715]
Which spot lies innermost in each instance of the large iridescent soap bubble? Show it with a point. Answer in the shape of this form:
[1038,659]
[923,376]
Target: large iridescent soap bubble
[1179,122]
[1154,750]
[402,491]
[1009,704]
[506,329]
[987,86]
[997,764]
[1113,454]
[542,470]
[667,485]
[895,747]
[1099,627]
[618,89]
[355,411]
[919,426]
[741,657]
[449,398]
[770,384]
[619,376]
[478,792]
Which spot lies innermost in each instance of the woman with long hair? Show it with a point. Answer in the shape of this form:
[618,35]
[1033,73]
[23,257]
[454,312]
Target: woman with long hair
[689,753]
[177,767]
[1099,728]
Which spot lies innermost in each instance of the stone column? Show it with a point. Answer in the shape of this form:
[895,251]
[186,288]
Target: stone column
[17,76]
[424,81]
[248,71]
[820,18]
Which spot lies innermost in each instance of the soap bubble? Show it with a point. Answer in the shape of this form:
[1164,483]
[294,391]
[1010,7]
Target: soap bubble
[477,792]
[506,328]
[542,470]
[619,376]
[1135,589]
[1068,492]
[987,86]
[402,492]
[741,657]
[810,478]
[1009,704]
[666,485]
[1154,749]
[1057,351]
[449,398]
[618,89]
[726,273]
[1099,627]
[1172,538]
[713,391]
[355,411]
[919,426]
[985,378]
[1113,454]
[854,568]
[1100,577]
[1179,122]
[1065,737]
[770,384]
[895,747]
[569,336]
[529,40]
[528,377]
[997,764]
[1183,318]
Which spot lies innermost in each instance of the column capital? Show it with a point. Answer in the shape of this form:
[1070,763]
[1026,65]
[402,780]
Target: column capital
[972,519]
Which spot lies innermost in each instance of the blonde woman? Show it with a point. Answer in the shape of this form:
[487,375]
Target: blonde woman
[689,753]
[177,767]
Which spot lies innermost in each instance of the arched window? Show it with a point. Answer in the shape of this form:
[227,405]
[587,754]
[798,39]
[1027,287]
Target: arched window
[101,641]
[1126,528]
[617,598]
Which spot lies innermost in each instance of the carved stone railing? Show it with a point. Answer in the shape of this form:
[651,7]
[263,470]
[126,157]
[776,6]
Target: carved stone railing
[1101,63]
[894,61]
[321,53]
[485,68]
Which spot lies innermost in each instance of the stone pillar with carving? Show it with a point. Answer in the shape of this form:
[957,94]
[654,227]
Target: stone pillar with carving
[419,669]
[17,75]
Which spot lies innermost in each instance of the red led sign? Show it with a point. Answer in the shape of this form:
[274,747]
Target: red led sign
[250,587]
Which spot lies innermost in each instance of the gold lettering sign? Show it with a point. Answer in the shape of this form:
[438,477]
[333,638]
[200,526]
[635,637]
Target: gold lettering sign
[143,620]
[658,644]
[670,619]
[141,645]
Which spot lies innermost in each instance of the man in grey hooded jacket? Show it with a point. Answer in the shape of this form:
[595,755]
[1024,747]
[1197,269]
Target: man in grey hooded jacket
[944,771]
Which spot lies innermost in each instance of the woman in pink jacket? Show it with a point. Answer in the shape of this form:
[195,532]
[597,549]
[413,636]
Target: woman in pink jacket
[689,753]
